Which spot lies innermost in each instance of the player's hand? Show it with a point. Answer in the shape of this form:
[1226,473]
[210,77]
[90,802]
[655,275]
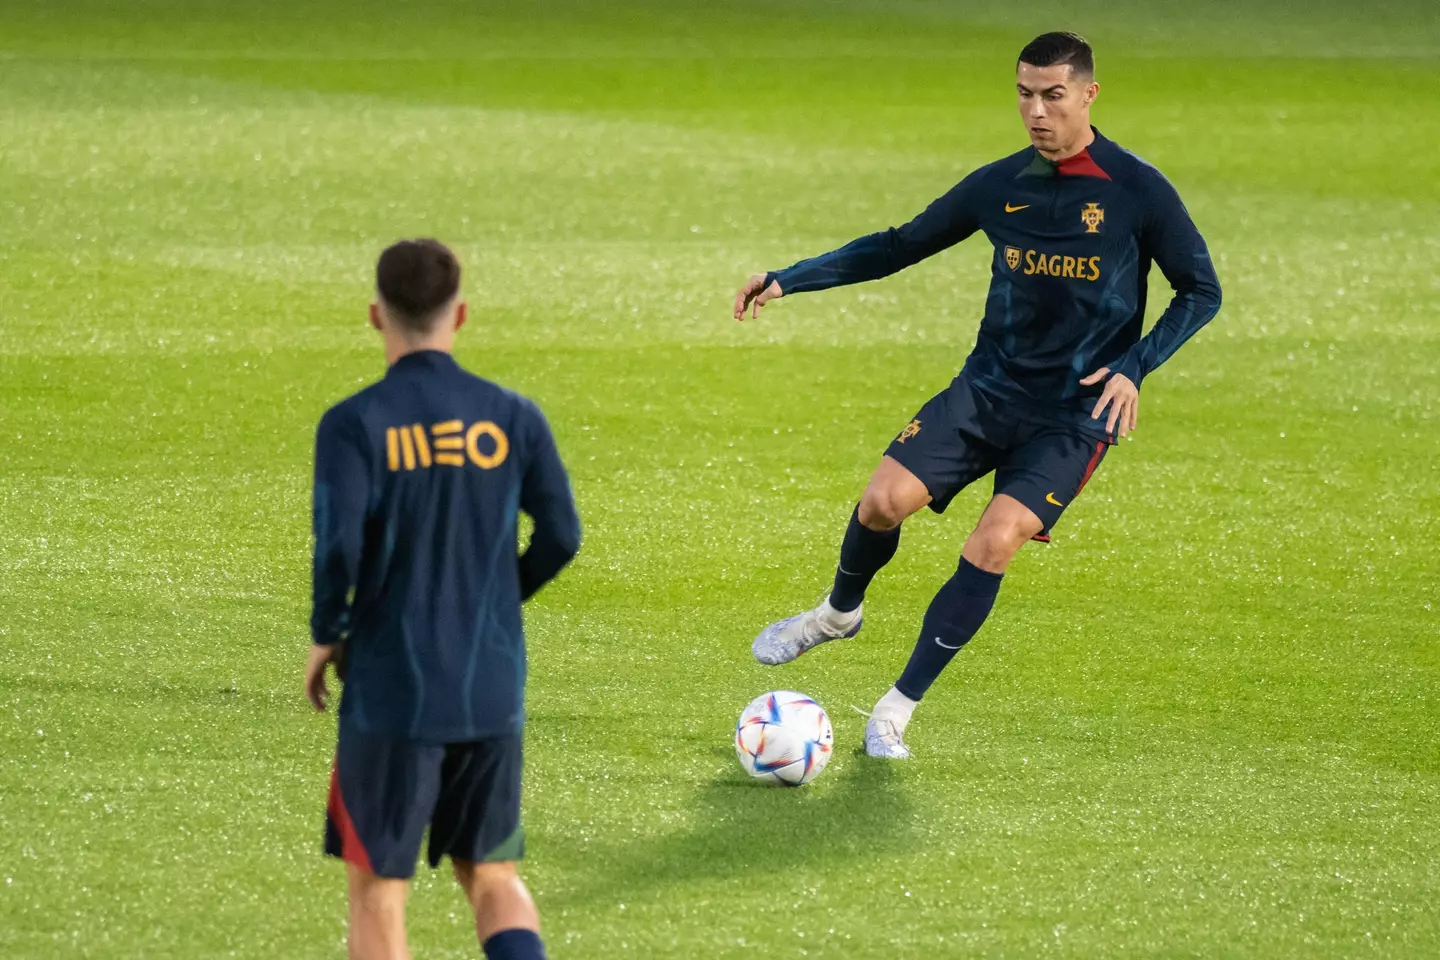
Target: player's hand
[321,657]
[1121,396]
[755,292]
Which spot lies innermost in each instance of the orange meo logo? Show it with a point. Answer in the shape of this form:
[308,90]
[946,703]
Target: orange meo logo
[1092,216]
[447,444]
[911,428]
[1012,257]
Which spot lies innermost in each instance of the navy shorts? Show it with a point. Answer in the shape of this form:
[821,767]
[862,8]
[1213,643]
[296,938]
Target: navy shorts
[385,791]
[961,434]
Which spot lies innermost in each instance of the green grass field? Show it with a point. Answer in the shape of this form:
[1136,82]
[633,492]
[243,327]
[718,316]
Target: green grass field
[1204,722]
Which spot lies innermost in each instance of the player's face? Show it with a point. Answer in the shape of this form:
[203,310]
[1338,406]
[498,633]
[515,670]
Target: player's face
[1055,105]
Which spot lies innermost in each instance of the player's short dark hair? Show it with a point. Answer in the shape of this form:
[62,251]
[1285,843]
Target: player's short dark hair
[1050,49]
[415,279]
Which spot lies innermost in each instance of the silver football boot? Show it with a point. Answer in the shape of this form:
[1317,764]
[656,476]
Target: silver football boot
[884,739]
[786,639]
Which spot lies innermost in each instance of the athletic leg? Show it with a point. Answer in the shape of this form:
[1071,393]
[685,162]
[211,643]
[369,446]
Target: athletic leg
[506,920]
[377,916]
[953,618]
[1034,483]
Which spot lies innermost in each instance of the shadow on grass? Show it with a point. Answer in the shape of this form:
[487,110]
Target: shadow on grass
[739,826]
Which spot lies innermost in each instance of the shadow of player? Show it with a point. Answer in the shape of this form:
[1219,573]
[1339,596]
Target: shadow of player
[856,810]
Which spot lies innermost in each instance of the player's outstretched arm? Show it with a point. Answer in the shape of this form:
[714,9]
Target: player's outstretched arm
[943,224]
[545,495]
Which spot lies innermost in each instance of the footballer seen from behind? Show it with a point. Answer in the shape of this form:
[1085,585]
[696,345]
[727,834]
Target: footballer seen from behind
[419,482]
[1054,378]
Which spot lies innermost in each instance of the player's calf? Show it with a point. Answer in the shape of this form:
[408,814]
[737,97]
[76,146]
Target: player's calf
[506,921]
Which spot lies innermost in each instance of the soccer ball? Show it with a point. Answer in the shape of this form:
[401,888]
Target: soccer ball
[784,737]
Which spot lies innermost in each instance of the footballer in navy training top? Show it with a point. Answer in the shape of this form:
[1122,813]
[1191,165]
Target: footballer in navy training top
[419,482]
[1075,221]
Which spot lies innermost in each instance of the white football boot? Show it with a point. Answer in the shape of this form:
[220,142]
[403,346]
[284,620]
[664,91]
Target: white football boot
[786,639]
[885,730]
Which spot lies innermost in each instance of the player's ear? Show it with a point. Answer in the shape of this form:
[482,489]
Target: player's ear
[462,313]
[1092,90]
[375,317]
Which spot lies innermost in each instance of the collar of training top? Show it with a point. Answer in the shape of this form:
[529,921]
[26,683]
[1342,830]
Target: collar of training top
[1080,165]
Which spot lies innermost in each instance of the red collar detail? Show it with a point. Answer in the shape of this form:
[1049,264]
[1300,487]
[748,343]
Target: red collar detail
[1080,165]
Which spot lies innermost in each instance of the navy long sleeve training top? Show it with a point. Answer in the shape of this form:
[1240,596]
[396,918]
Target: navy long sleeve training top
[1073,242]
[419,480]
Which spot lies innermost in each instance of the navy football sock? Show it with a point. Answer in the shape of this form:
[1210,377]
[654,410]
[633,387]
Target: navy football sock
[514,944]
[862,554]
[955,614]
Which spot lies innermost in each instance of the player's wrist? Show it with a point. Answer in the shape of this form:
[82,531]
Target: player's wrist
[1128,369]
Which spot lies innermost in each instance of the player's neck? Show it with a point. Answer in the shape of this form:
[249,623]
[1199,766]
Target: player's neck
[1079,146]
[397,347]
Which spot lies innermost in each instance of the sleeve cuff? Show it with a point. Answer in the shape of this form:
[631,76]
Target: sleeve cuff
[1129,367]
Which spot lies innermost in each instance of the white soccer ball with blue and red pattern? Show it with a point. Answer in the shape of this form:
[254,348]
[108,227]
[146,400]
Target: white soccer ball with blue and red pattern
[784,737]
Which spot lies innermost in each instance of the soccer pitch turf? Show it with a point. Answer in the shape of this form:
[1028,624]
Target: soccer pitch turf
[1202,723]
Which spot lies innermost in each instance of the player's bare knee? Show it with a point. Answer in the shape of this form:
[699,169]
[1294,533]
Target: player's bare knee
[886,506]
[996,541]
[989,554]
[879,512]
[892,495]
[480,879]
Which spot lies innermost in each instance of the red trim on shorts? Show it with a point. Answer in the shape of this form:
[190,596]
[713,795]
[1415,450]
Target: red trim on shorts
[1041,538]
[351,849]
[1094,462]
